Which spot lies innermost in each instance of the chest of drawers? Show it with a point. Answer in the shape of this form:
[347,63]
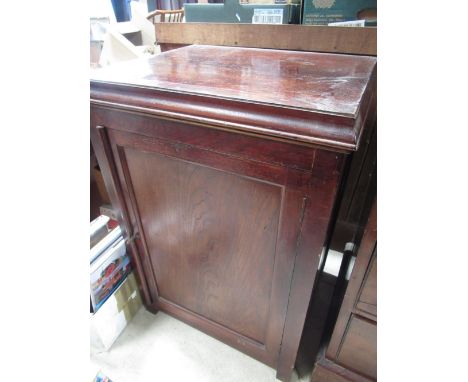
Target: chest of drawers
[224,166]
[351,354]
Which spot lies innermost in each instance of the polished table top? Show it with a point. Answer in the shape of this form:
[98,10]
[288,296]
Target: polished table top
[329,83]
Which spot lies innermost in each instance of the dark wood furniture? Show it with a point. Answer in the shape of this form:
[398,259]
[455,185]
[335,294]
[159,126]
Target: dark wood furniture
[351,354]
[355,201]
[224,165]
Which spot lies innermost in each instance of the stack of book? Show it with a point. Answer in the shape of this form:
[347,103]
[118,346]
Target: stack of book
[109,262]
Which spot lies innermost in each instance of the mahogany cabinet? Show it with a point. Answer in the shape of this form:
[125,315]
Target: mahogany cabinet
[224,165]
[351,354]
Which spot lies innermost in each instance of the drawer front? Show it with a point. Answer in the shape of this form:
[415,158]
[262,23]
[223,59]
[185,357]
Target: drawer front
[367,301]
[326,370]
[321,374]
[358,351]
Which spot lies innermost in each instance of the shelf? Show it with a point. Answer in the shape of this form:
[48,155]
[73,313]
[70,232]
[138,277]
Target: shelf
[358,40]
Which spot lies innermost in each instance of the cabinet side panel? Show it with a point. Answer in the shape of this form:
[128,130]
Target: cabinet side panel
[102,148]
[326,175]
[367,300]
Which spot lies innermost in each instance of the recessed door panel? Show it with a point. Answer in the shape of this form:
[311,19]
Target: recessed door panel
[211,237]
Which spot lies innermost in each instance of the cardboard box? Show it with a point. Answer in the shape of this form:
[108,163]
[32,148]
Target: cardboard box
[115,314]
[233,12]
[322,12]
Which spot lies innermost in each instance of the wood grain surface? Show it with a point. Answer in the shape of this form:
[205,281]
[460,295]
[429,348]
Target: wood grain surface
[252,215]
[328,371]
[212,238]
[316,38]
[224,166]
[315,81]
[366,252]
[367,300]
[311,98]
[358,351]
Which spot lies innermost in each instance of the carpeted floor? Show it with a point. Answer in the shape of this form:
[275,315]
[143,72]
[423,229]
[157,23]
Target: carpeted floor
[160,348]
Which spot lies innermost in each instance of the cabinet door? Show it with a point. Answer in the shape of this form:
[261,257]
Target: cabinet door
[218,234]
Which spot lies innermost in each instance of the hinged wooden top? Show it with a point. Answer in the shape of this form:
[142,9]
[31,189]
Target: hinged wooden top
[316,98]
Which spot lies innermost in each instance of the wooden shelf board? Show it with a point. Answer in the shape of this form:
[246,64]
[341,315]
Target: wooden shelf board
[362,41]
